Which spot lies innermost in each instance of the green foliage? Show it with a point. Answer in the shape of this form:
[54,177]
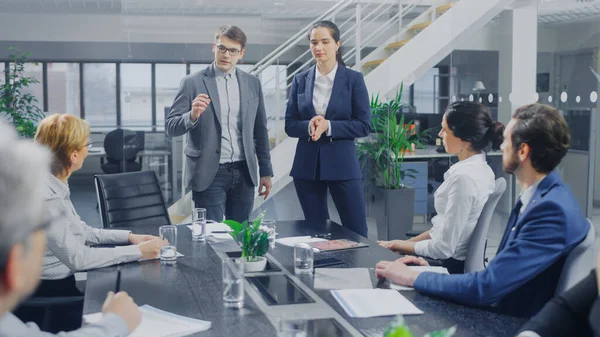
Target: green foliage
[20,107]
[398,328]
[253,240]
[382,157]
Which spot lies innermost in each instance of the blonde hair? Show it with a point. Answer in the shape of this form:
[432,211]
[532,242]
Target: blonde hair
[62,134]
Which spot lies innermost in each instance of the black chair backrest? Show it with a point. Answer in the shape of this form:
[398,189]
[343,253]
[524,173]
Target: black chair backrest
[131,199]
[123,144]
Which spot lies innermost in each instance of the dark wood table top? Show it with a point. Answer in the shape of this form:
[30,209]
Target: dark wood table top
[193,288]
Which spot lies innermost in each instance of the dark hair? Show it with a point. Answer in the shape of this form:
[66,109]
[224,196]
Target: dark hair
[232,32]
[471,122]
[544,129]
[335,33]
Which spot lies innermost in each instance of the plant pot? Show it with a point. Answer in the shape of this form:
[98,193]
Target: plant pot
[393,211]
[255,266]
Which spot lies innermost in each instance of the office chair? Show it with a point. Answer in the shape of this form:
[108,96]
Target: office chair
[579,262]
[131,199]
[475,260]
[48,313]
[122,147]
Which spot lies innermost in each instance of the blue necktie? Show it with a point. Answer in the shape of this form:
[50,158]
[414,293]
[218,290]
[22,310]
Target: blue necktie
[512,221]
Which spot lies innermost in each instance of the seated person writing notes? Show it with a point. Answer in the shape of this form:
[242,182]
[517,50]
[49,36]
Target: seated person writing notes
[23,178]
[67,138]
[544,226]
[576,312]
[467,131]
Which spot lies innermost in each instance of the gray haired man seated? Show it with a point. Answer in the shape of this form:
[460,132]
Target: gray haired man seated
[23,170]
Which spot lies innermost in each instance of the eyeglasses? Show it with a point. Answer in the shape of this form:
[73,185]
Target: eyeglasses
[89,144]
[232,51]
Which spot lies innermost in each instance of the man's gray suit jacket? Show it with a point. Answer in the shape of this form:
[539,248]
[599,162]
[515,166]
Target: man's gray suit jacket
[204,136]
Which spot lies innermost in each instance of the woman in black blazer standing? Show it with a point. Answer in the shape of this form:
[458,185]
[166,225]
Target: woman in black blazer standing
[328,108]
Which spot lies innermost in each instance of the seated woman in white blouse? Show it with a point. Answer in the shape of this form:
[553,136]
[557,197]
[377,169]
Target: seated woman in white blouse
[467,131]
[68,249]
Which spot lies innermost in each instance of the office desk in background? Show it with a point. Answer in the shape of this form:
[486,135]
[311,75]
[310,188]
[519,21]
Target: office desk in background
[165,154]
[193,287]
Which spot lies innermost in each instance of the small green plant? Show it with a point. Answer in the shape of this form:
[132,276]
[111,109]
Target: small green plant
[382,157]
[20,107]
[399,328]
[253,240]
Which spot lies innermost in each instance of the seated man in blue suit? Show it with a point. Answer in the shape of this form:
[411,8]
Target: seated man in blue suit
[544,226]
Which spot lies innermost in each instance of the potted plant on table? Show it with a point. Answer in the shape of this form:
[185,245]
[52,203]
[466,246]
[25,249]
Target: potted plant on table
[253,240]
[382,157]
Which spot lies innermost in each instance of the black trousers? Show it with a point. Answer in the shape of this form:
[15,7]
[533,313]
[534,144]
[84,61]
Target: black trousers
[63,317]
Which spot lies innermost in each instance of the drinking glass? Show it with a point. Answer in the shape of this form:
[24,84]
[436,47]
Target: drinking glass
[269,227]
[199,225]
[303,258]
[169,252]
[233,282]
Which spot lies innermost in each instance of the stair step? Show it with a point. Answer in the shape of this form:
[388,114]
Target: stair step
[373,63]
[444,8]
[397,45]
[419,27]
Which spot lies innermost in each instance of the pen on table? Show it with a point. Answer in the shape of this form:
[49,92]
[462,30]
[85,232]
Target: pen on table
[219,232]
[118,285]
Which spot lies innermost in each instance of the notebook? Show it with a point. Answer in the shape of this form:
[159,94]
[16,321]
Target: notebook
[340,244]
[159,323]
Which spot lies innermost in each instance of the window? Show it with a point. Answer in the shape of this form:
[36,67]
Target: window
[197,67]
[424,92]
[168,78]
[35,89]
[2,75]
[63,88]
[136,95]
[99,95]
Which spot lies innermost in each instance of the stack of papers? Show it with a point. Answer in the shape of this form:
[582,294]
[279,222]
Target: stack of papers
[440,270]
[292,240]
[213,227]
[362,303]
[342,278]
[159,323]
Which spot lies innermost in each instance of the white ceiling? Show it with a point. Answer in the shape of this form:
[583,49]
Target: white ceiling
[550,11]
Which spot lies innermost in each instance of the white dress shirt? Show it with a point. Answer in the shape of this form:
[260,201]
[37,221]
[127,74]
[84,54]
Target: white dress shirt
[322,93]
[527,195]
[68,239]
[458,203]
[111,325]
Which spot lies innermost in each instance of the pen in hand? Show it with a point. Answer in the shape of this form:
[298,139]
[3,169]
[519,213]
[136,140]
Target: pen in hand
[118,285]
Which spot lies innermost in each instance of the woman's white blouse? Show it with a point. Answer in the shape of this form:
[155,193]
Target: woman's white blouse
[458,203]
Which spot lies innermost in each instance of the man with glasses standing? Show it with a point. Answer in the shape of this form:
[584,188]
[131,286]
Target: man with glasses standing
[222,111]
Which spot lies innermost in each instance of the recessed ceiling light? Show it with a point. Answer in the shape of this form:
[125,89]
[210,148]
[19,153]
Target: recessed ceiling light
[279,3]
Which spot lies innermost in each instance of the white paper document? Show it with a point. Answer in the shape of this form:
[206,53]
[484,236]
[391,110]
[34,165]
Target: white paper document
[342,278]
[363,303]
[213,227]
[292,240]
[159,323]
[440,270]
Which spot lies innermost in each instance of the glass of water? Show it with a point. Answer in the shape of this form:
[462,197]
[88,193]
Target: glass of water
[233,282]
[269,227]
[303,258]
[168,252]
[199,225]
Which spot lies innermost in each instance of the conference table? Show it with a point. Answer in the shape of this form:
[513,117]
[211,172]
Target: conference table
[193,287]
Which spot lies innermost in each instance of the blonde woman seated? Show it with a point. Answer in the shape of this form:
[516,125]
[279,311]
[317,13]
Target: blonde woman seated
[467,131]
[68,249]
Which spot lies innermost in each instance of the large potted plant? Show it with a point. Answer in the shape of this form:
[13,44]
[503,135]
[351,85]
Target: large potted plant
[389,198]
[253,240]
[18,106]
